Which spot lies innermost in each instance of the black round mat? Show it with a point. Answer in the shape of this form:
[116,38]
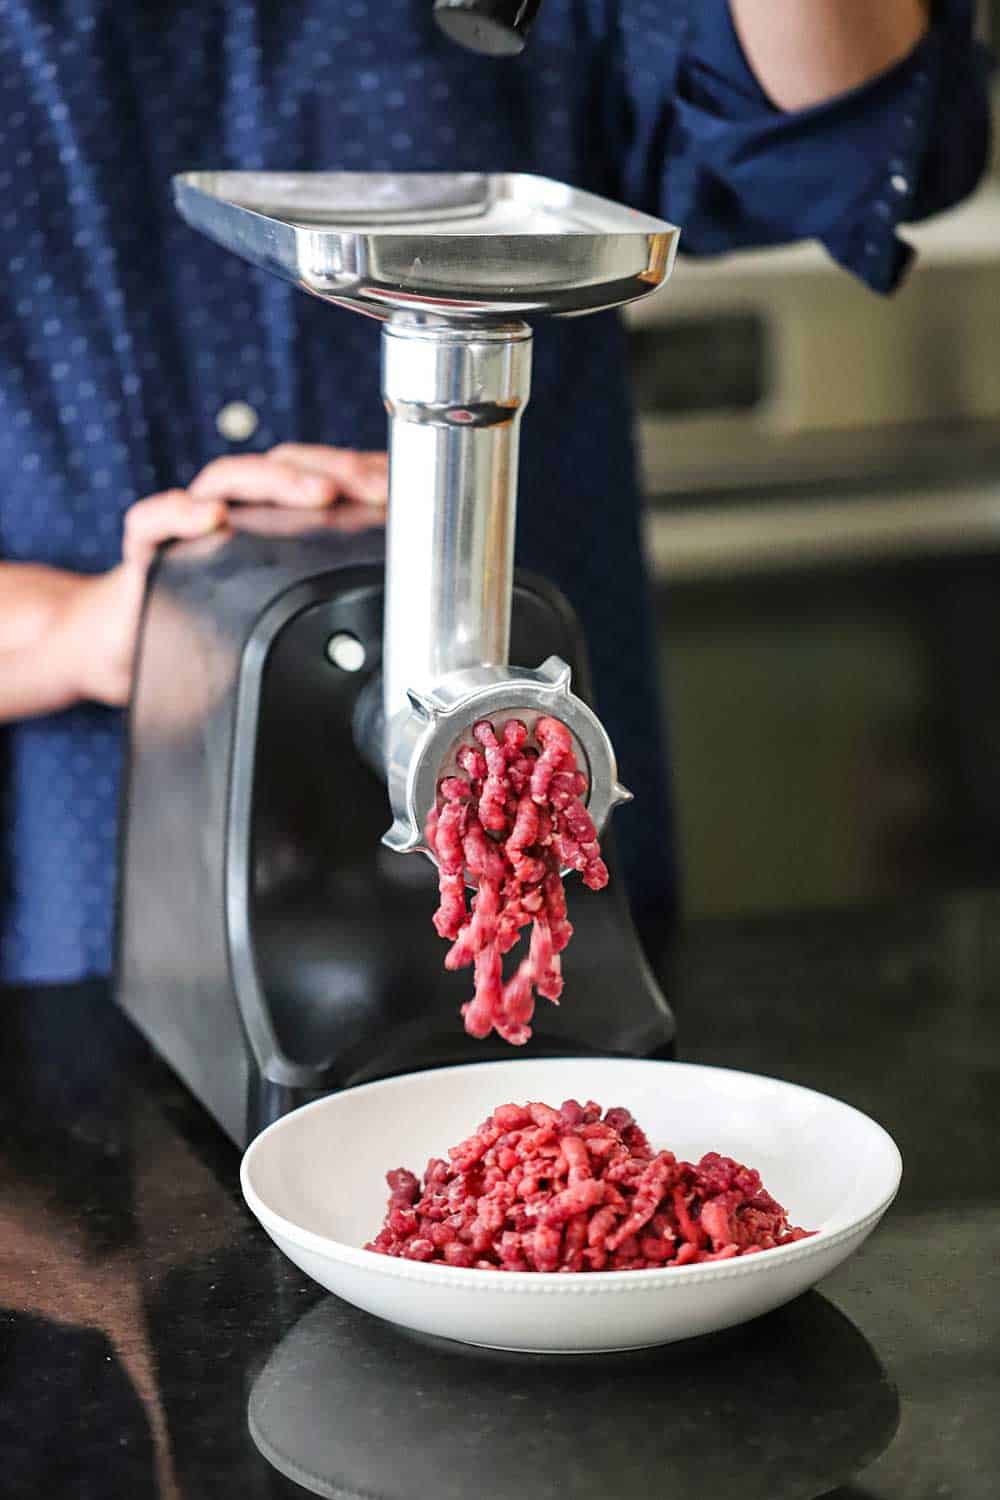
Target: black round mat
[786,1408]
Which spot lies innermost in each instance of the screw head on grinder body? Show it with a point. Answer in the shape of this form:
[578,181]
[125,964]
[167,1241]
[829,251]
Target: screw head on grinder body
[421,745]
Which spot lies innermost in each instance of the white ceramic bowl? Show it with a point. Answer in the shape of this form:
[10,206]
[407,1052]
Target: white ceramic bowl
[316,1182]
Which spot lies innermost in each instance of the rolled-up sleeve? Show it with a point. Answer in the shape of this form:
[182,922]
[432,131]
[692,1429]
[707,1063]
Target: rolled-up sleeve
[735,172]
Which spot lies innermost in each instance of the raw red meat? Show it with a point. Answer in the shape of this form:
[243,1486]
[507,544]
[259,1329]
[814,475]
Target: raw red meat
[540,1189]
[513,820]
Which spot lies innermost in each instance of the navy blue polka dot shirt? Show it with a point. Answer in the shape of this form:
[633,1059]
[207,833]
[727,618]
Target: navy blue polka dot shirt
[132,351]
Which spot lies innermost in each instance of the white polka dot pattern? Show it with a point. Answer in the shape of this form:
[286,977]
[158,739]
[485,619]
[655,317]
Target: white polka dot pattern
[132,351]
[125,337]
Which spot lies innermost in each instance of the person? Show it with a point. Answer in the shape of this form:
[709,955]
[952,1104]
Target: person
[137,359]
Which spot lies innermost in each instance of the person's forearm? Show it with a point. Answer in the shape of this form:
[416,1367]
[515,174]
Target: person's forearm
[34,682]
[806,51]
[31,597]
[34,674]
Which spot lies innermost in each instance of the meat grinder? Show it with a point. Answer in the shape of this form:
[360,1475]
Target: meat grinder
[295,675]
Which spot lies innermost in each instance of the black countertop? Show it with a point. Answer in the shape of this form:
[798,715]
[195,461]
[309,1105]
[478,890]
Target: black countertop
[153,1341]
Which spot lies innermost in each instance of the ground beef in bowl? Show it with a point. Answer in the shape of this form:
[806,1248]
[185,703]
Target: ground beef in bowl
[576,1189]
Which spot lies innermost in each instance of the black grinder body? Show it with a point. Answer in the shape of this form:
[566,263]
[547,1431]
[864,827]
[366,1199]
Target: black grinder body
[270,948]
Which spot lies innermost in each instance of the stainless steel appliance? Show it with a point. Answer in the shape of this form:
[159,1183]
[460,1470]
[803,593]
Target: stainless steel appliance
[775,371]
[269,949]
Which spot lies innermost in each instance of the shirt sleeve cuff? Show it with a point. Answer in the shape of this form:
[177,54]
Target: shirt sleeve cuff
[847,172]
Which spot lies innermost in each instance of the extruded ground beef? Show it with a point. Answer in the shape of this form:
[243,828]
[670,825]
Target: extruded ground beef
[575,1189]
[513,820]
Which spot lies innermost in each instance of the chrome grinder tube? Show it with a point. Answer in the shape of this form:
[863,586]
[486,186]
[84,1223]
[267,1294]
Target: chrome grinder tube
[455,398]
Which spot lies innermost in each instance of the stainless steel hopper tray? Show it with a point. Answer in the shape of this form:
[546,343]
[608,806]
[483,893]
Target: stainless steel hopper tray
[447,245]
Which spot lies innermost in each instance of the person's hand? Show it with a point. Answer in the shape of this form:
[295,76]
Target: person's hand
[301,476]
[99,618]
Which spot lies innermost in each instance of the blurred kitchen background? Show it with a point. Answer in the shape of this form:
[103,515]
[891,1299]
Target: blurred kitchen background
[823,473]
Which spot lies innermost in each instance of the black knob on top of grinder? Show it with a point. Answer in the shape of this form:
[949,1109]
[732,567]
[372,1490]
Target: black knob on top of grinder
[498,28]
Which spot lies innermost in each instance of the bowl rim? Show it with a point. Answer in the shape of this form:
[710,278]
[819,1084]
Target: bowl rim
[652,1279]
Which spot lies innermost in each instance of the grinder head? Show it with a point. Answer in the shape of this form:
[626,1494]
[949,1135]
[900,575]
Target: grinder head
[443,720]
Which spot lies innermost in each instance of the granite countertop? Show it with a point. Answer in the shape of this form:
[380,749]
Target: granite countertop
[154,1343]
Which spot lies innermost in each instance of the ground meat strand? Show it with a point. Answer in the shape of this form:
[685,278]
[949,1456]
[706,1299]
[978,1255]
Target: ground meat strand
[511,820]
[448,833]
[539,1189]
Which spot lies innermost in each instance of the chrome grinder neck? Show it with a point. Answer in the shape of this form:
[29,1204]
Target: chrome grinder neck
[455,395]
